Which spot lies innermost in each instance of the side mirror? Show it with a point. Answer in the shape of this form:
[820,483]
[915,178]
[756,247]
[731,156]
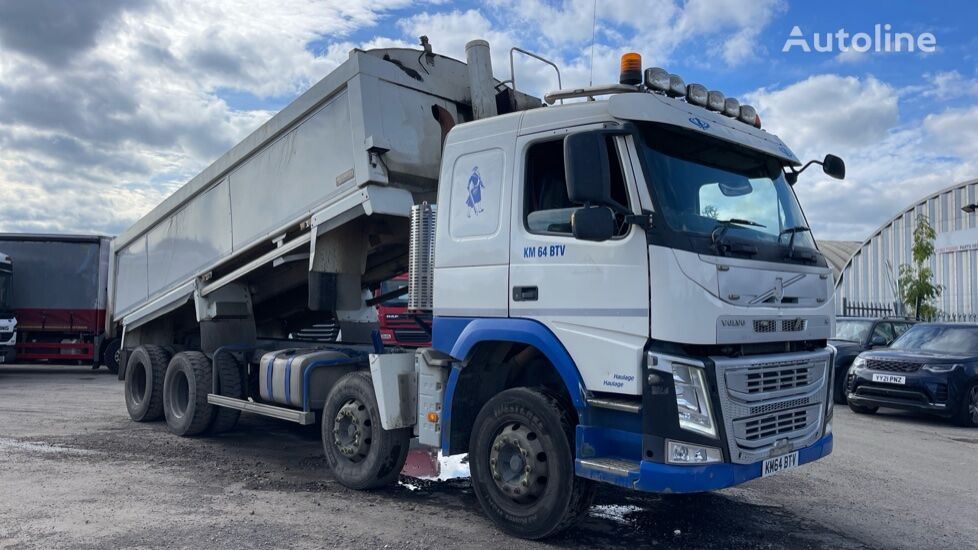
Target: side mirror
[596,223]
[878,341]
[834,167]
[587,168]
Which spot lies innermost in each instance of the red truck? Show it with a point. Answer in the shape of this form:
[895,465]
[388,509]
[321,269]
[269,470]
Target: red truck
[398,326]
[58,296]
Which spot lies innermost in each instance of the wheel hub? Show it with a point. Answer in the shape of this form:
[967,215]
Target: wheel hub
[518,463]
[351,430]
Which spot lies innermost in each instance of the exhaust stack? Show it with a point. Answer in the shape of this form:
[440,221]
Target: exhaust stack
[481,83]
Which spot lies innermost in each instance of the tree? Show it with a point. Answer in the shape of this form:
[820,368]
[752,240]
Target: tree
[711,211]
[916,281]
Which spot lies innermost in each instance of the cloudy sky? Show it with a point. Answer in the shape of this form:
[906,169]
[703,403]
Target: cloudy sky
[107,106]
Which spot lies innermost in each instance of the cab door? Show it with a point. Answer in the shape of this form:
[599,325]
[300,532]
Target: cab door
[594,296]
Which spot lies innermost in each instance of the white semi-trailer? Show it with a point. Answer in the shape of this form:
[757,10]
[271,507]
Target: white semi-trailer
[623,287]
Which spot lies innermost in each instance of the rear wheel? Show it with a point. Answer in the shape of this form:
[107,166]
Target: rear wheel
[229,384]
[110,355]
[968,410]
[144,382]
[185,388]
[360,453]
[522,464]
[860,409]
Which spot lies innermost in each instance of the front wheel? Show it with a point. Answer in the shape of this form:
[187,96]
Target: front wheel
[522,464]
[359,451]
[968,412]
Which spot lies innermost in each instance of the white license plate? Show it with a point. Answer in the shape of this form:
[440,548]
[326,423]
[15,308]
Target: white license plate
[781,463]
[889,379]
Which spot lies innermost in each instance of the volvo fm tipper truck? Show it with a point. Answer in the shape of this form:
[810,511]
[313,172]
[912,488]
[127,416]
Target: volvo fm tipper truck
[622,284]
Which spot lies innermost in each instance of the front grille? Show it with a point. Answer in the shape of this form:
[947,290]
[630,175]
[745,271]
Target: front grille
[411,336]
[793,325]
[892,366]
[780,405]
[775,424]
[772,404]
[765,325]
[767,379]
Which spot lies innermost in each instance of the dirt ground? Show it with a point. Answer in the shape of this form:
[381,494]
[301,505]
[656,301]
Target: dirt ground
[75,472]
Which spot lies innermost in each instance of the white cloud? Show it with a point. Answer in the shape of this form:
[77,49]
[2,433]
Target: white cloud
[890,163]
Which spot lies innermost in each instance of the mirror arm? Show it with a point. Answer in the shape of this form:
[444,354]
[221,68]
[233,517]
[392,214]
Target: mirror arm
[643,220]
[792,176]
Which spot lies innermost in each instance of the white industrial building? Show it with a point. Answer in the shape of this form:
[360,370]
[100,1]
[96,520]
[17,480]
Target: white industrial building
[871,273]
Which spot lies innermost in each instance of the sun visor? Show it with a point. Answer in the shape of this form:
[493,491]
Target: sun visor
[655,108]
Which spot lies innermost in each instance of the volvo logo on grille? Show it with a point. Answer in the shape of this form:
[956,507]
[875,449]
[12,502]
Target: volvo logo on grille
[733,322]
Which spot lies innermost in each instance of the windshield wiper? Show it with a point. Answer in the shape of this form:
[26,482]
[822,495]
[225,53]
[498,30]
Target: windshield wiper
[791,241]
[720,231]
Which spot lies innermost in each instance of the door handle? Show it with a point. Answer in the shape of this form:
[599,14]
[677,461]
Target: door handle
[525,293]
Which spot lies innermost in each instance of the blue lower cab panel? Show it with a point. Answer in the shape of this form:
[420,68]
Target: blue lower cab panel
[655,477]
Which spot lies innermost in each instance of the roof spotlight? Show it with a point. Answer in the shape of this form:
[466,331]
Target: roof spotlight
[696,94]
[731,107]
[657,79]
[677,88]
[714,101]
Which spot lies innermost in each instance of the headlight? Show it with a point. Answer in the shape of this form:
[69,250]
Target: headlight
[939,368]
[678,452]
[859,362]
[692,400]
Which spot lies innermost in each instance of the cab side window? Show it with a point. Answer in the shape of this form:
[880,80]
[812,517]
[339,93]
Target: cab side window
[900,328]
[547,209]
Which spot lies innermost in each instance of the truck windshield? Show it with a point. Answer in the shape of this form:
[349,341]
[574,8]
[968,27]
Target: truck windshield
[391,286]
[708,190]
[6,286]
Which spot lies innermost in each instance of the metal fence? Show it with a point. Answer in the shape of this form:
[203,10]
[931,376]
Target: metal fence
[896,309]
[871,309]
[944,317]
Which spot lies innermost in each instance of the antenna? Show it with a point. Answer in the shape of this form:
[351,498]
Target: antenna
[594,20]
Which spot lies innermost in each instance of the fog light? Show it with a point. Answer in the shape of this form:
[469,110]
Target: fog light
[678,452]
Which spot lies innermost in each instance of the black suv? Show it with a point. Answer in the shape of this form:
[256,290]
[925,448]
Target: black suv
[932,368]
[854,335]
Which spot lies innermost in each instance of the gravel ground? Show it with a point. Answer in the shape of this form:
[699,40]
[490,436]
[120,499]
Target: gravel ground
[76,472]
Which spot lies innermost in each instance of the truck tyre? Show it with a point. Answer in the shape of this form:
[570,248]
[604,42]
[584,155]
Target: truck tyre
[110,355]
[360,453]
[967,414]
[144,382]
[185,388]
[859,409]
[228,384]
[522,464]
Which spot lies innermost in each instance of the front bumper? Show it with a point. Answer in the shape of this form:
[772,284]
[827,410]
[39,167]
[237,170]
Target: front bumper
[656,477]
[7,354]
[923,392]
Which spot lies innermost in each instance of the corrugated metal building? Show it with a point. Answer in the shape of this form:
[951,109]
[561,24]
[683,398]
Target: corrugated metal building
[871,274]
